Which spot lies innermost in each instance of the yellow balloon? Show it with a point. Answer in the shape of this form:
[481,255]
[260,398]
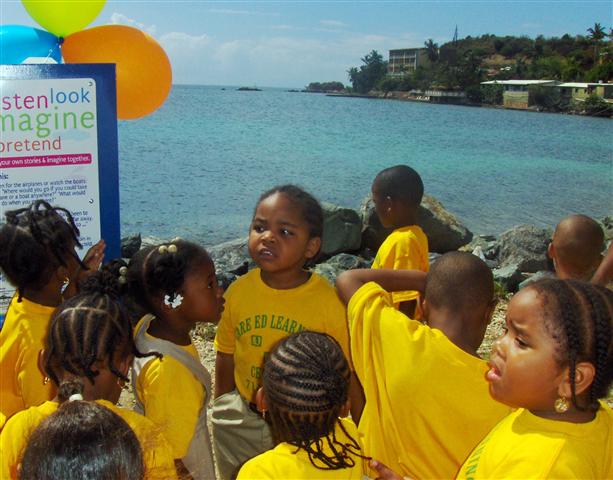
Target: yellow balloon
[63,17]
[142,68]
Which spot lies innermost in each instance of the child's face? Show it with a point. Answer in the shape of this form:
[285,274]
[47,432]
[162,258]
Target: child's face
[382,206]
[279,238]
[202,296]
[523,367]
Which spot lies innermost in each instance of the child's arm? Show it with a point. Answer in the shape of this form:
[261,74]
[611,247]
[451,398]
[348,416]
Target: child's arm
[391,280]
[224,373]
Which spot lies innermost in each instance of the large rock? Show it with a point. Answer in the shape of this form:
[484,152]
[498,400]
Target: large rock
[607,227]
[445,233]
[231,259]
[525,247]
[342,230]
[333,267]
[508,276]
[130,245]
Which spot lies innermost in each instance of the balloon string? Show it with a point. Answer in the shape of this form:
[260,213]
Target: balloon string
[52,49]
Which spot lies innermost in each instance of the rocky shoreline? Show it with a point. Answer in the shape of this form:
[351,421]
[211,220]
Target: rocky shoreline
[352,237]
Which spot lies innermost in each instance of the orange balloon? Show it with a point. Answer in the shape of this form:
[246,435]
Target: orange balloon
[143,70]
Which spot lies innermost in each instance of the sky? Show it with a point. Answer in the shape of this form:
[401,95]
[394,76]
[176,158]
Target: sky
[292,43]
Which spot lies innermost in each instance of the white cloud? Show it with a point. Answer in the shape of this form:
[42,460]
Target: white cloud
[278,60]
[228,11]
[121,19]
[333,23]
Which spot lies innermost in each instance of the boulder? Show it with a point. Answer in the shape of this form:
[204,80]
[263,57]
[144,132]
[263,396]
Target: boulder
[333,267]
[508,276]
[342,230]
[445,233]
[231,259]
[130,245]
[536,277]
[607,227]
[525,247]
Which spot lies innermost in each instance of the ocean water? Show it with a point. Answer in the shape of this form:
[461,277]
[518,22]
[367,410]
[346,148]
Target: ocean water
[196,167]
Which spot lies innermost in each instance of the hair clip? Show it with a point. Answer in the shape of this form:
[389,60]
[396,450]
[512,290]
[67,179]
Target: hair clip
[122,275]
[162,249]
[172,248]
[173,301]
[75,396]
[176,239]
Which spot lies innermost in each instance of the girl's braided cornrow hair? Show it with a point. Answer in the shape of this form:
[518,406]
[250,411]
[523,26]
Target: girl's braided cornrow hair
[153,273]
[34,241]
[579,316]
[306,383]
[89,328]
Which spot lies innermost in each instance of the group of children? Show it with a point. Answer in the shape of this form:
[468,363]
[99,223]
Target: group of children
[378,377]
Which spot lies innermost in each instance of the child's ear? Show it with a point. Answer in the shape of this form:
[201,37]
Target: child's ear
[344,411]
[551,250]
[313,247]
[423,304]
[260,401]
[41,360]
[584,377]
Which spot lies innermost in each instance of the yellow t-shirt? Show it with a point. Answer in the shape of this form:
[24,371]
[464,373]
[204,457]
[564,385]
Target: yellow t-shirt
[14,438]
[529,447]
[405,248]
[256,317]
[22,337]
[427,401]
[172,398]
[284,462]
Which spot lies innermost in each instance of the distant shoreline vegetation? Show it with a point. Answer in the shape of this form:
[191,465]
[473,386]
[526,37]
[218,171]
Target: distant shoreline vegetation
[454,72]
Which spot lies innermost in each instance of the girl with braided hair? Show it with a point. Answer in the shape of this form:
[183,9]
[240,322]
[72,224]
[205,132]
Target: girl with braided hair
[176,284]
[88,351]
[304,395]
[554,363]
[38,257]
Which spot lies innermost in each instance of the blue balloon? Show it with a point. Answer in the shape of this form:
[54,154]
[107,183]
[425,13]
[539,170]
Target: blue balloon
[18,42]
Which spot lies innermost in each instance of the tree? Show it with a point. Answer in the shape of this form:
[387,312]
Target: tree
[372,71]
[597,33]
[431,50]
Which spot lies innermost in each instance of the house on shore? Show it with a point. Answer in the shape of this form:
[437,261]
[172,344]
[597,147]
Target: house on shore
[516,92]
[579,91]
[405,60]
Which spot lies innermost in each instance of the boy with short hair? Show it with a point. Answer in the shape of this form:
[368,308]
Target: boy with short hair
[576,247]
[397,192]
[427,400]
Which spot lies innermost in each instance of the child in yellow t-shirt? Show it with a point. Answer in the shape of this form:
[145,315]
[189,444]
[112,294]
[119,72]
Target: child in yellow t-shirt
[304,394]
[397,192]
[576,247]
[427,401]
[177,285]
[264,306]
[553,364]
[37,256]
[83,437]
[87,354]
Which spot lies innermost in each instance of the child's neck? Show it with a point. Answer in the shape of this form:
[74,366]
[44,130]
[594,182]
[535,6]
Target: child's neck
[455,329]
[571,416]
[406,219]
[46,296]
[165,328]
[285,280]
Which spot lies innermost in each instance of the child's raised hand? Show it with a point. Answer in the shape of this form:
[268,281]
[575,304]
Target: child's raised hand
[94,256]
[384,472]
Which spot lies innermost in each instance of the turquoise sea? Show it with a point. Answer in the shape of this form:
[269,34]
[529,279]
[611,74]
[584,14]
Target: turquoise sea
[196,167]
